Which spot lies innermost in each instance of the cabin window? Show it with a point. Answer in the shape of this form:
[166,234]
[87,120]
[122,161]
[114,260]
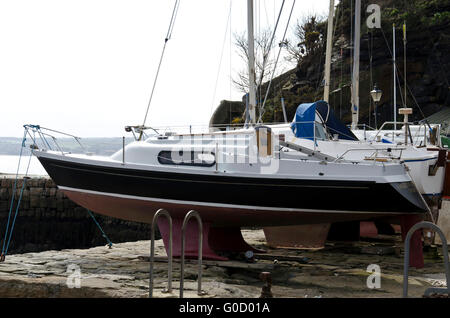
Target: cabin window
[319,127]
[320,131]
[187,158]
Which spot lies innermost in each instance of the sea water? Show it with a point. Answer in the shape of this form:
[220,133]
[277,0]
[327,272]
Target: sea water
[8,165]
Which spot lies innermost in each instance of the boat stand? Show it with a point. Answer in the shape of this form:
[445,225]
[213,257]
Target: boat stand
[416,256]
[431,290]
[217,241]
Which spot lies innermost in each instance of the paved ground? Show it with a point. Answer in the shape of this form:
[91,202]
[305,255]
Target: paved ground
[339,270]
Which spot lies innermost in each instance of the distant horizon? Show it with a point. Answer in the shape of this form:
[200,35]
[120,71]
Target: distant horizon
[11,146]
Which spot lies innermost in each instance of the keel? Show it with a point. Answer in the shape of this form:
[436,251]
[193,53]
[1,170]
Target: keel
[216,241]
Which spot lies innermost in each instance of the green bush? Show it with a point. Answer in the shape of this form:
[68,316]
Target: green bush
[440,18]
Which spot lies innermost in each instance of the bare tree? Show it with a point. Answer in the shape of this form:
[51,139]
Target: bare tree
[264,64]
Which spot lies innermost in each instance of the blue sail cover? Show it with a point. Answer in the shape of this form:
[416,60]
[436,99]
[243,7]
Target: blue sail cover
[303,125]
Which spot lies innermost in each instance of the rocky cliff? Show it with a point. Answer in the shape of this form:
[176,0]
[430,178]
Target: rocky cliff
[427,64]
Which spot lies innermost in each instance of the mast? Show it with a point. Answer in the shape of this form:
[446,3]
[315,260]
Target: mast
[404,58]
[251,63]
[406,111]
[326,90]
[395,73]
[355,76]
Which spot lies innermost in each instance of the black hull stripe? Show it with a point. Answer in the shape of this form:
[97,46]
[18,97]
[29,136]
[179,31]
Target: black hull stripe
[220,182]
[276,193]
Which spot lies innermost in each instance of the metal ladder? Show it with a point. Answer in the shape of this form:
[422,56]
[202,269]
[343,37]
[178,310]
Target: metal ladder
[188,216]
[429,291]
[152,251]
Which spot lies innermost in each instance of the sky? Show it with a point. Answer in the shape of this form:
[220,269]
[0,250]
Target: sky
[87,67]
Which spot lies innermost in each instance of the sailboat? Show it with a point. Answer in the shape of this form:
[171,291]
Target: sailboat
[255,176]
[418,146]
[423,152]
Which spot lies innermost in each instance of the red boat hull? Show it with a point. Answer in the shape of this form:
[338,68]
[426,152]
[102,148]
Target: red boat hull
[140,210]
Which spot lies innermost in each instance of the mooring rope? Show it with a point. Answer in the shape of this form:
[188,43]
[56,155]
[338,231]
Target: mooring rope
[101,230]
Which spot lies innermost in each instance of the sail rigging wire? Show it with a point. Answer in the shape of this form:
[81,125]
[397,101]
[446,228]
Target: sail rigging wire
[270,45]
[221,56]
[370,49]
[319,66]
[341,15]
[397,69]
[258,22]
[397,73]
[10,228]
[276,62]
[336,20]
[230,82]
[351,44]
[399,77]
[167,38]
[13,197]
[337,14]
[265,10]
[18,206]
[265,58]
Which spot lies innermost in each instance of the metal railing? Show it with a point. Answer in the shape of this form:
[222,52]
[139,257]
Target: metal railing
[364,126]
[43,137]
[420,136]
[320,131]
[210,144]
[430,290]
[164,131]
[152,251]
[373,155]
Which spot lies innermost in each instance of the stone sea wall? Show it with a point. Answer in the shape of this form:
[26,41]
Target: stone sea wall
[49,220]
